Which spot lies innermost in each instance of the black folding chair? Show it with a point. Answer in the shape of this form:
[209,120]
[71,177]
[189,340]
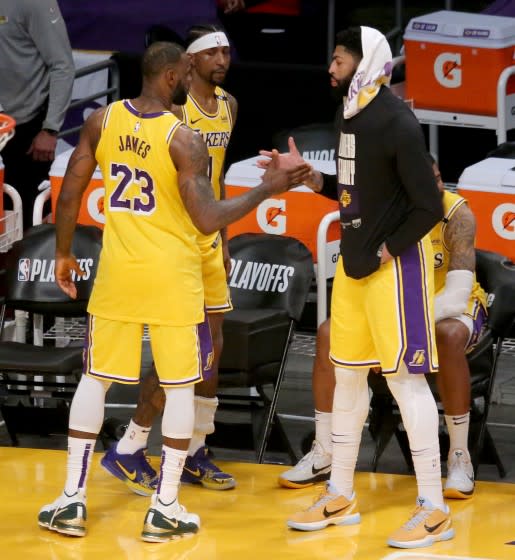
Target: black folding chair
[269,282]
[38,382]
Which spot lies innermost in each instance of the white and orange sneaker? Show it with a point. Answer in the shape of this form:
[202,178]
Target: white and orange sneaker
[426,526]
[460,476]
[328,509]
[314,467]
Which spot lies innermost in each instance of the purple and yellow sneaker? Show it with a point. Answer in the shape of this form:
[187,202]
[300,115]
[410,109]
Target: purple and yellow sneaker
[198,469]
[133,469]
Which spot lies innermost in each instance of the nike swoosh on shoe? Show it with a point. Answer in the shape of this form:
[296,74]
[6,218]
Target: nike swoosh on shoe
[433,528]
[329,513]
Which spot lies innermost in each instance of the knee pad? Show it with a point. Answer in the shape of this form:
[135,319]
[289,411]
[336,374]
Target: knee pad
[87,408]
[415,401]
[351,391]
[205,409]
[178,414]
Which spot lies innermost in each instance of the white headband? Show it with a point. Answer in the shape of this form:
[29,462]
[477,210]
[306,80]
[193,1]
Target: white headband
[209,41]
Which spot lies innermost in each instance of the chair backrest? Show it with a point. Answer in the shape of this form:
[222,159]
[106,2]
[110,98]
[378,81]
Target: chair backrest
[496,274]
[314,141]
[270,271]
[30,281]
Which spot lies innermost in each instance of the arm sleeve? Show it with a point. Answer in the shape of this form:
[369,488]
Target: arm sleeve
[48,31]
[329,189]
[416,174]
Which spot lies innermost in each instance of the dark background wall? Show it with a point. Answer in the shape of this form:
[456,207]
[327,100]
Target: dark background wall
[281,80]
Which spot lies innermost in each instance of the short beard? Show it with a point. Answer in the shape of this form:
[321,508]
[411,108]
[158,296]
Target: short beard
[180,96]
[216,81]
[342,89]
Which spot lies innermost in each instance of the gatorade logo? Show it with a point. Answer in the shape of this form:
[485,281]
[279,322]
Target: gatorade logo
[503,220]
[447,70]
[95,205]
[271,216]
[259,276]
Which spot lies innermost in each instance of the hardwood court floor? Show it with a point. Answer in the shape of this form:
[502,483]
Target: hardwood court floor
[245,523]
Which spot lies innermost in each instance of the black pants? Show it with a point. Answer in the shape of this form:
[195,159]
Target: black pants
[21,171]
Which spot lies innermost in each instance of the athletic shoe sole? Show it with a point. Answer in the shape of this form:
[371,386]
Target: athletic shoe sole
[318,525]
[455,494]
[285,483]
[426,541]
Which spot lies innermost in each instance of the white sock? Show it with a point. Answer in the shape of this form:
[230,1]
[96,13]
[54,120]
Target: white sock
[420,418]
[197,441]
[80,452]
[350,410]
[172,463]
[428,471]
[323,421]
[458,428]
[134,439]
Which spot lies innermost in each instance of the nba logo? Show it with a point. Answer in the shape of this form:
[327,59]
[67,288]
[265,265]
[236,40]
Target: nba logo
[23,270]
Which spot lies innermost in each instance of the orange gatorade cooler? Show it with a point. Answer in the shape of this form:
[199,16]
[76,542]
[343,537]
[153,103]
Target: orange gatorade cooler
[454,60]
[296,213]
[91,211]
[489,187]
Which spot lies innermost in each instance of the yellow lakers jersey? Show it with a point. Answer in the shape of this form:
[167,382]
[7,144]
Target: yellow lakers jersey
[451,202]
[216,131]
[150,269]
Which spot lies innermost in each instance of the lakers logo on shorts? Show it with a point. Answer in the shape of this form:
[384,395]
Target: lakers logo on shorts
[209,361]
[418,358]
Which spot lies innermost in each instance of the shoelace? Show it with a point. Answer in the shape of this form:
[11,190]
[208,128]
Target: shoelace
[458,466]
[149,479]
[321,500]
[208,466]
[419,515]
[310,456]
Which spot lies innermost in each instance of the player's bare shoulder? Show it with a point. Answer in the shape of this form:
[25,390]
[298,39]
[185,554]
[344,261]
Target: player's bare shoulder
[187,148]
[94,122]
[233,105]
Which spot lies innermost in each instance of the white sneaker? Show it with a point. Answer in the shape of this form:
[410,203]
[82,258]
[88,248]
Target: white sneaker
[460,476]
[66,515]
[166,523]
[314,467]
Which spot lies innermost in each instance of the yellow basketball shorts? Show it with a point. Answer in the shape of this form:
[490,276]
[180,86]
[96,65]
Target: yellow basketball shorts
[217,296]
[387,317]
[112,351]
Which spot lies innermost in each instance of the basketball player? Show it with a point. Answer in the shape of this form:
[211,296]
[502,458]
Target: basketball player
[211,111]
[382,299]
[460,314]
[156,191]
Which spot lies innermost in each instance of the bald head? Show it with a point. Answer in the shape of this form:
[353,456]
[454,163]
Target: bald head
[159,57]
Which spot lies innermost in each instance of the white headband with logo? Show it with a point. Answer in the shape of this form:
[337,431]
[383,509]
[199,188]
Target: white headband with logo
[209,41]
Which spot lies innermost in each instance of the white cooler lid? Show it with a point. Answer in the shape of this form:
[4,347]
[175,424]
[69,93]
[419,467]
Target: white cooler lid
[462,28]
[246,173]
[58,167]
[491,174]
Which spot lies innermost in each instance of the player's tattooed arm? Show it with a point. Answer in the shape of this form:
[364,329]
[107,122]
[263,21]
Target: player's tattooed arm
[80,169]
[190,156]
[459,239]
